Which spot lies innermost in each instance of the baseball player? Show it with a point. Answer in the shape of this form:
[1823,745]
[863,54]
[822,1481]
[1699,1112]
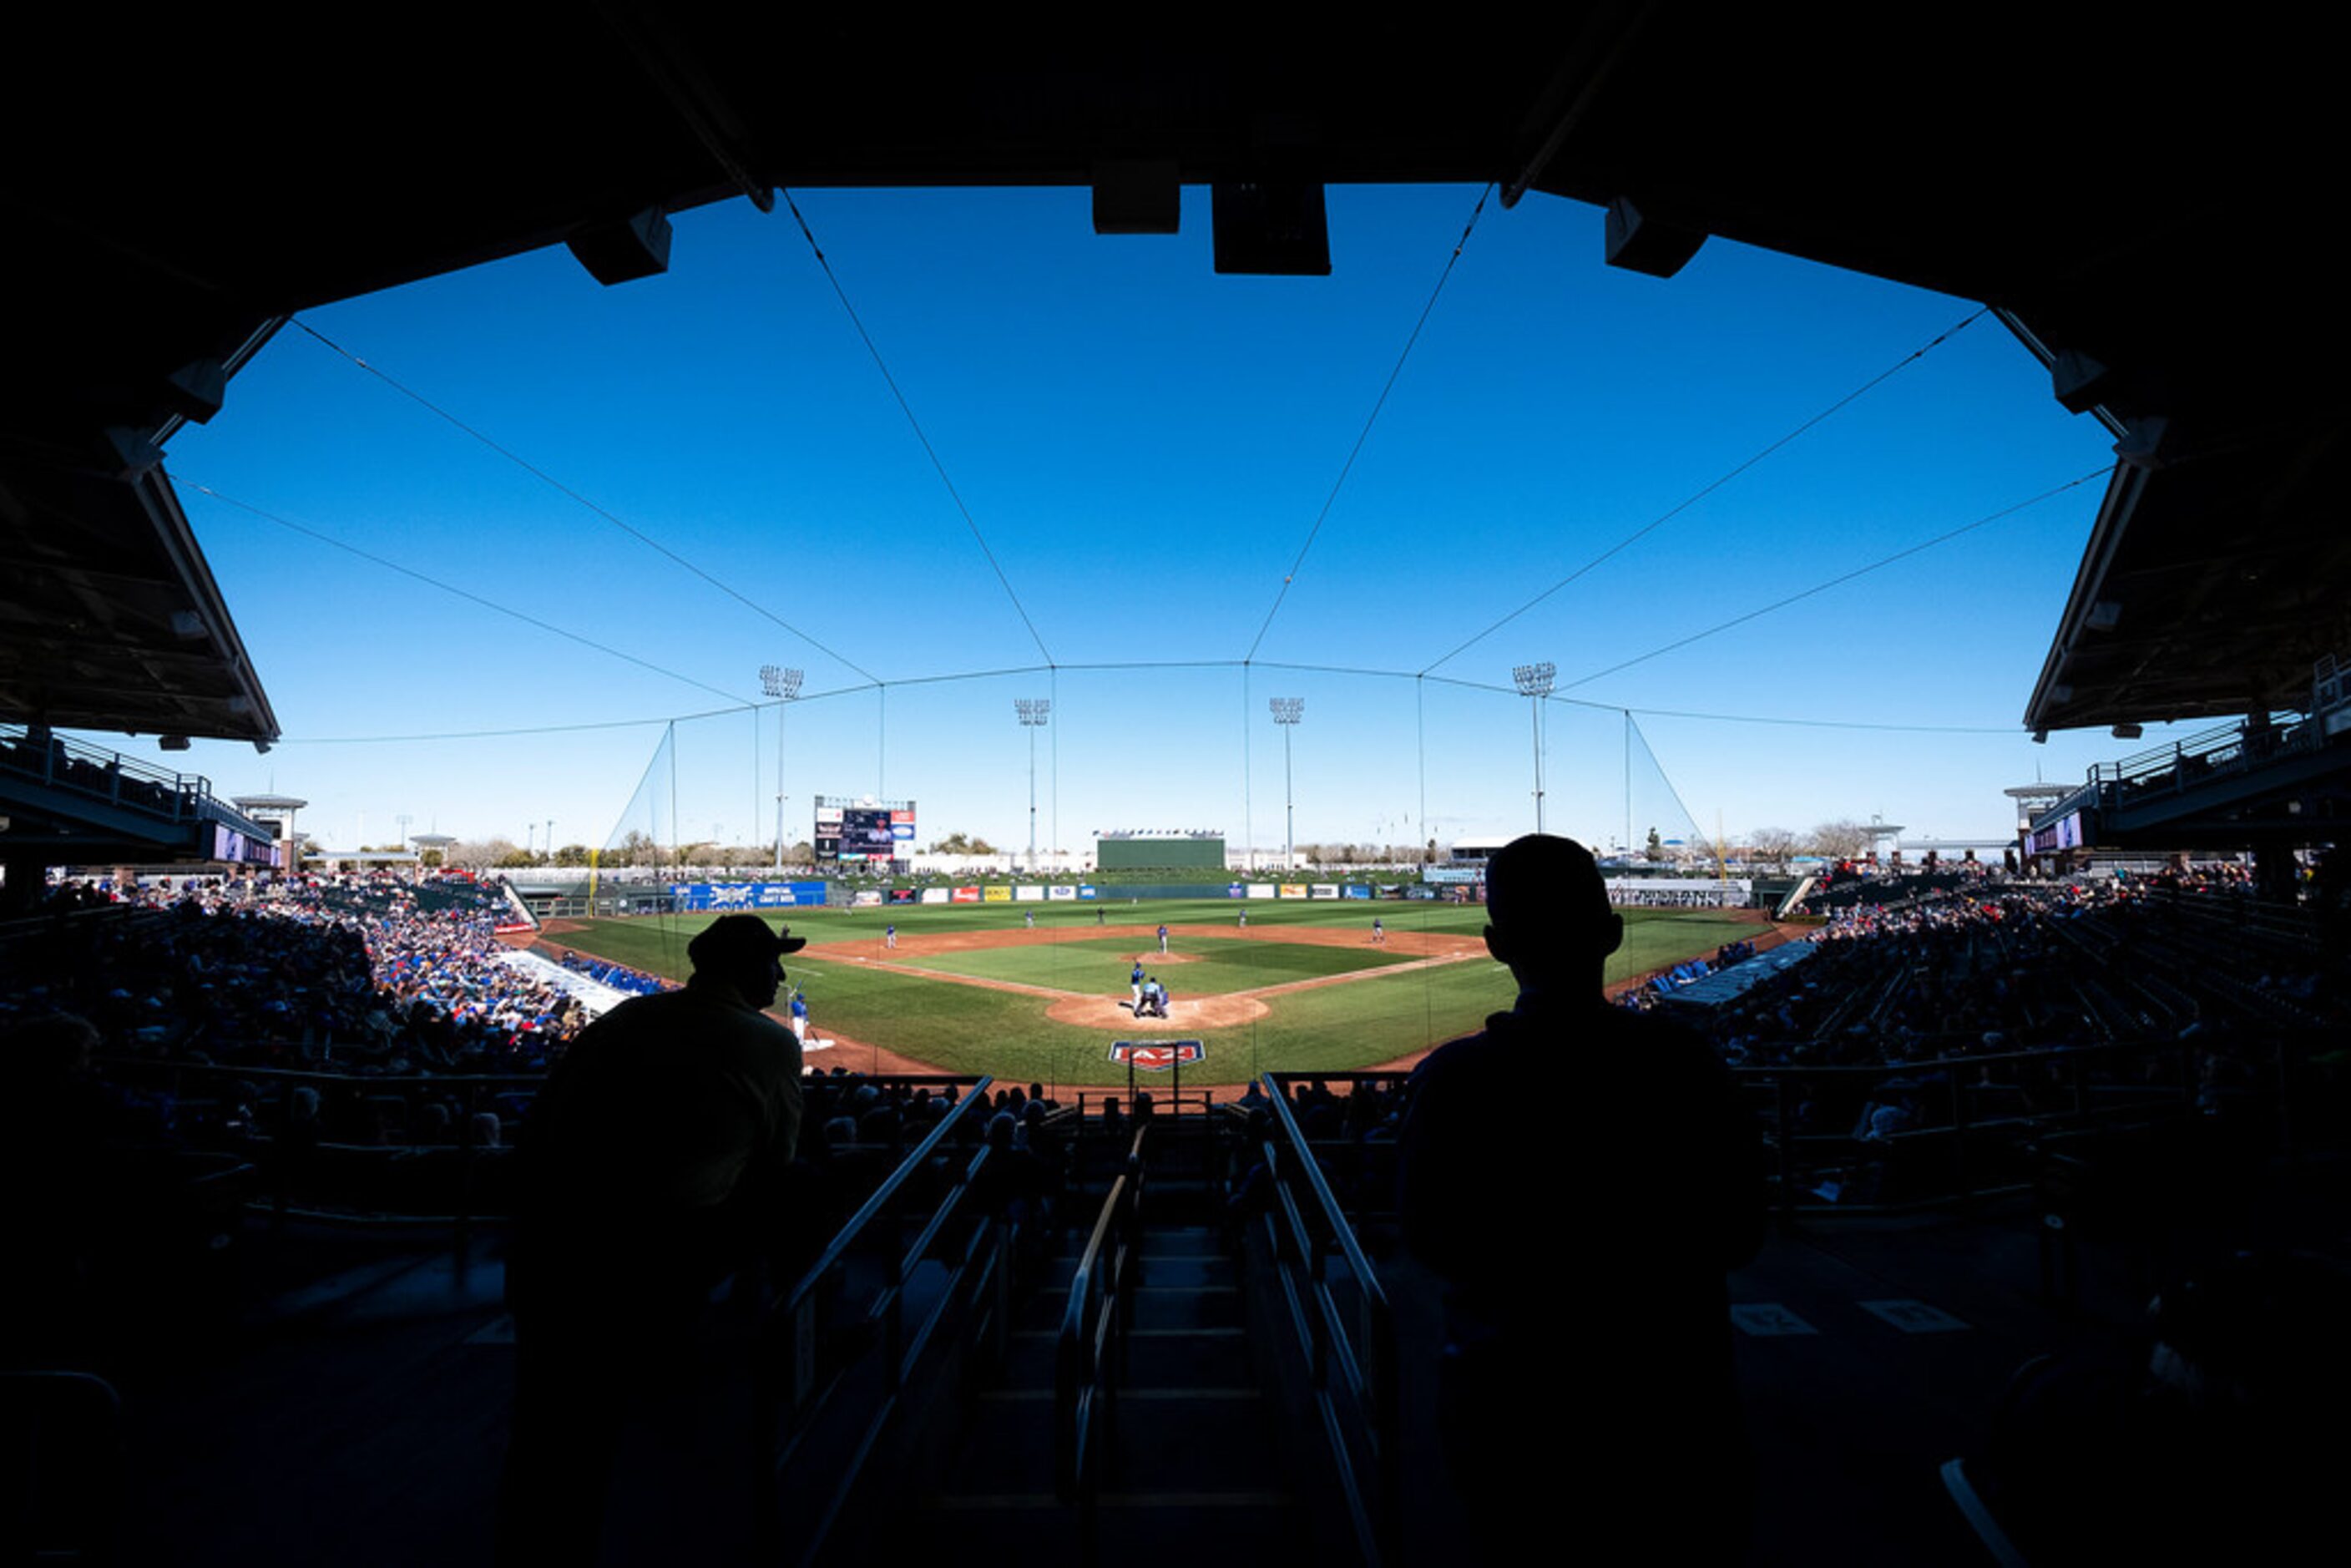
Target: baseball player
[1379,932]
[800,1016]
[890,937]
[1163,939]
[1134,989]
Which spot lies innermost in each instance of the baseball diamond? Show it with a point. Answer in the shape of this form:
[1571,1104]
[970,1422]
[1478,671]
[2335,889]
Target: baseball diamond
[1303,988]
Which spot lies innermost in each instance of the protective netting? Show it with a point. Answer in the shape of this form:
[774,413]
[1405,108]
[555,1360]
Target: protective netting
[1026,959]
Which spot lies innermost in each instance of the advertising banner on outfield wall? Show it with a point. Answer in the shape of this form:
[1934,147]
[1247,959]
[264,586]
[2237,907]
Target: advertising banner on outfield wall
[996,896]
[902,895]
[1676,893]
[696,897]
[1293,890]
[1060,891]
[1355,890]
[1086,890]
[1236,890]
[1262,889]
[1029,891]
[935,895]
[966,895]
[1324,890]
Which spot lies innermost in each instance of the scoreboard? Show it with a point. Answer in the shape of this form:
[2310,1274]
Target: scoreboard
[863,832]
[1191,849]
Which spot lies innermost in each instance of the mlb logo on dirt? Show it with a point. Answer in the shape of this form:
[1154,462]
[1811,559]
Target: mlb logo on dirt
[1157,1055]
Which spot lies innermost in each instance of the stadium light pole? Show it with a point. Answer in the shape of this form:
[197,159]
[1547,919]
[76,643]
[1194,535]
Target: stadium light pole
[1287,711]
[1534,683]
[784,685]
[1033,713]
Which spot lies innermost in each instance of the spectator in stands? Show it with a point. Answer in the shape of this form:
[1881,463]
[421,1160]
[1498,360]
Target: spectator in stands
[1638,1353]
[656,1160]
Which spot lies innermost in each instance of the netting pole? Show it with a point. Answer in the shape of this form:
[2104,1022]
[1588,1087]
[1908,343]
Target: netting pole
[1053,758]
[1628,785]
[1420,750]
[1249,795]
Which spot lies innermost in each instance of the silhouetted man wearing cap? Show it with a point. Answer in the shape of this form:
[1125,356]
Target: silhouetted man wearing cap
[652,1167]
[1581,1179]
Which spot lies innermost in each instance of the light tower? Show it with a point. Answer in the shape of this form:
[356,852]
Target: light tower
[784,685]
[1534,683]
[1033,713]
[1286,712]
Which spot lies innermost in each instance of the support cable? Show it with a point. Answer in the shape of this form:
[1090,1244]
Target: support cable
[543,477]
[1369,419]
[937,465]
[1912,358]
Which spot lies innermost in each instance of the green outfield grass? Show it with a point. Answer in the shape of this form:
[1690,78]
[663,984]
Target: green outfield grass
[1212,965]
[967,1029]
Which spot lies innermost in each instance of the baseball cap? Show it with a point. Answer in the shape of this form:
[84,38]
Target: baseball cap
[736,938]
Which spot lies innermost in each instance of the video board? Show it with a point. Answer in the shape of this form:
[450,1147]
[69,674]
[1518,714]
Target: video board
[864,831]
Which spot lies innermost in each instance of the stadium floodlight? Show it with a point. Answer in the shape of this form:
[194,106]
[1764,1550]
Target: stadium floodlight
[1286,712]
[1032,712]
[1534,683]
[784,685]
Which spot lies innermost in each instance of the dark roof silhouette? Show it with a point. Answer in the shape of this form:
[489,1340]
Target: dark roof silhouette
[2134,201]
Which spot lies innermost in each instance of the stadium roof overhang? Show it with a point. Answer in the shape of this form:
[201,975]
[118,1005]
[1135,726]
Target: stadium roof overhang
[2209,588]
[110,618]
[2136,201]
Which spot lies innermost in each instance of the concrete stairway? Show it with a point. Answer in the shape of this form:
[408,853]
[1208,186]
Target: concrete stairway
[1194,1472]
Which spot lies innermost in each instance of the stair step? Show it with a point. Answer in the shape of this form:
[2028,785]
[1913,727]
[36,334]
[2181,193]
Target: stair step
[1186,1358]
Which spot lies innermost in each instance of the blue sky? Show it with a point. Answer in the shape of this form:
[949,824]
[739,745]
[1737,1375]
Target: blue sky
[1143,446]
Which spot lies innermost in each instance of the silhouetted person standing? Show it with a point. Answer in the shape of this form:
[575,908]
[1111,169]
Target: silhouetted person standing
[1581,1178]
[653,1164]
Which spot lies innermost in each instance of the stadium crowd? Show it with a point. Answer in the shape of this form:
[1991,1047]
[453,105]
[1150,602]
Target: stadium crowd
[363,976]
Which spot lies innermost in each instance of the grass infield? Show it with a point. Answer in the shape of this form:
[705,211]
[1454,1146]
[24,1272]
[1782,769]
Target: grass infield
[1378,1003]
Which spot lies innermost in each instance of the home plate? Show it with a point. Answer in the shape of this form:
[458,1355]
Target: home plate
[809,1045]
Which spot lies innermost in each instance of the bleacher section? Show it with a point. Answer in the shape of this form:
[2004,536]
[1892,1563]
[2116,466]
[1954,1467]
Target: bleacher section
[2046,1103]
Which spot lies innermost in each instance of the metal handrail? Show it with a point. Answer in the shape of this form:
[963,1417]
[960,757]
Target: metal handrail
[790,1383]
[186,790]
[1367,1358]
[1090,1346]
[1320,1186]
[804,1292]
